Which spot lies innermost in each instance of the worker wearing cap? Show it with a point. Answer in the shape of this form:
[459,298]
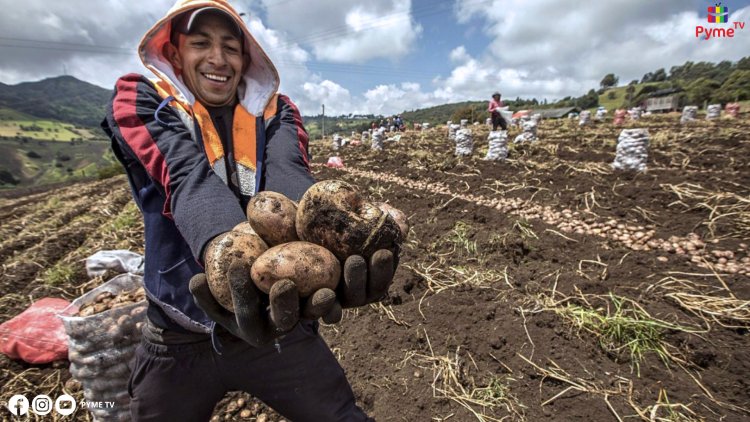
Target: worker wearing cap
[496,104]
[197,143]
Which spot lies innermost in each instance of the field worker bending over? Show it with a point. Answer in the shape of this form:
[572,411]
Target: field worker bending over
[494,108]
[197,143]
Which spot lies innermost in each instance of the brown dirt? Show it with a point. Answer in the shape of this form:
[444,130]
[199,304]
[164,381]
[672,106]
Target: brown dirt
[480,297]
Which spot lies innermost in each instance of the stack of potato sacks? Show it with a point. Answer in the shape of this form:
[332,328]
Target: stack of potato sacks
[498,140]
[336,142]
[632,150]
[307,242]
[713,112]
[528,125]
[377,139]
[619,117]
[635,113]
[689,114]
[452,129]
[584,118]
[464,140]
[732,110]
[103,335]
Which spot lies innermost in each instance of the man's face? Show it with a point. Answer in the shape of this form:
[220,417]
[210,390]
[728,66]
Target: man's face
[210,60]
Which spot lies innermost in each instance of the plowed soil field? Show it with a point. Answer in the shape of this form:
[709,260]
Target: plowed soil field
[543,287]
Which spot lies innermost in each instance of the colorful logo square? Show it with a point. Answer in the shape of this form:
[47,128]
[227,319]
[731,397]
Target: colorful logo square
[718,14]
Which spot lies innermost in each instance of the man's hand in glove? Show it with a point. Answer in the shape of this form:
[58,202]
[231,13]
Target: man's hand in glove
[362,282]
[257,318]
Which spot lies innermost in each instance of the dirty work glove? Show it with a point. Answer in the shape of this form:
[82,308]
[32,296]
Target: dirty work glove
[255,319]
[362,282]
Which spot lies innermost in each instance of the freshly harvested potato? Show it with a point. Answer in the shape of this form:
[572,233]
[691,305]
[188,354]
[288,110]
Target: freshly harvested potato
[272,216]
[107,300]
[309,266]
[398,216]
[334,215]
[238,244]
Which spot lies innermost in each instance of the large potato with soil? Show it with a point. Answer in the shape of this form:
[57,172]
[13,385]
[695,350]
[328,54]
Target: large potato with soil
[272,216]
[309,266]
[398,216]
[241,243]
[334,215]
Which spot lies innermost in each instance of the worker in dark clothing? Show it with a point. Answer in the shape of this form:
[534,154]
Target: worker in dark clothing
[197,143]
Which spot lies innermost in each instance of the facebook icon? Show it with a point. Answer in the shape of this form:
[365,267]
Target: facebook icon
[18,405]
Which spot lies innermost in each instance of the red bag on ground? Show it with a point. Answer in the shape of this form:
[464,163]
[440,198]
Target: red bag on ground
[36,335]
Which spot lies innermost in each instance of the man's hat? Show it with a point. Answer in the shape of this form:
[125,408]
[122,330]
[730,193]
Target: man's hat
[183,23]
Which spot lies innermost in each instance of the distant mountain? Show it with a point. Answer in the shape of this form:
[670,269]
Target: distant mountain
[442,113]
[63,98]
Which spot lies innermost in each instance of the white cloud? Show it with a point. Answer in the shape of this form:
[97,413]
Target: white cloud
[560,48]
[347,31]
[542,48]
[459,54]
[336,98]
[46,38]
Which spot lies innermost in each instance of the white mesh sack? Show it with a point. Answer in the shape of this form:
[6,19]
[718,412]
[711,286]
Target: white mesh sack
[528,134]
[101,345]
[498,140]
[365,135]
[464,143]
[713,111]
[635,113]
[452,129]
[632,150]
[584,118]
[336,142]
[425,126]
[689,114]
[377,139]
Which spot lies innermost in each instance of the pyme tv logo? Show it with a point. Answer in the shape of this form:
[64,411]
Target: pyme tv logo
[718,14]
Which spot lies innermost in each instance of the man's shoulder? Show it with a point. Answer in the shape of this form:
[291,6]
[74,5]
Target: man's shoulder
[134,86]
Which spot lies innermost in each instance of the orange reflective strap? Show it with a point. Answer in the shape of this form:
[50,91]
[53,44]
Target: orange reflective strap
[211,140]
[271,107]
[243,134]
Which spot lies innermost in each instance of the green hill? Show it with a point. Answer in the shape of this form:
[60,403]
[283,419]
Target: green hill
[49,132]
[62,98]
[617,97]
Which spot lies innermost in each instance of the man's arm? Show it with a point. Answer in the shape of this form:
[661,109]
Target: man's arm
[286,166]
[199,202]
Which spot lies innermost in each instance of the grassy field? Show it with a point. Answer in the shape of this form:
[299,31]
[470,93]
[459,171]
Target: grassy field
[620,97]
[341,126]
[47,130]
[36,162]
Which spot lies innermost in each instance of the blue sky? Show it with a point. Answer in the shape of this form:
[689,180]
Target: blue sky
[386,56]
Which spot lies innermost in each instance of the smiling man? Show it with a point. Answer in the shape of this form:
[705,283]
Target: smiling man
[197,143]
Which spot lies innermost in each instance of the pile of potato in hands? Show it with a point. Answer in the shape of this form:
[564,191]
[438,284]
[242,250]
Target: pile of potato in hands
[306,242]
